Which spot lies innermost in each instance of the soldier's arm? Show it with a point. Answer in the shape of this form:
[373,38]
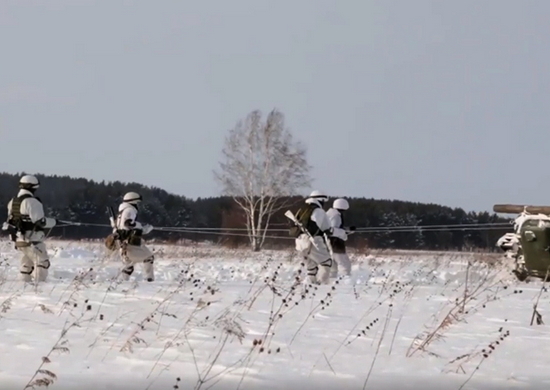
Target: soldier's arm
[335,222]
[128,219]
[320,218]
[34,209]
[6,225]
[9,209]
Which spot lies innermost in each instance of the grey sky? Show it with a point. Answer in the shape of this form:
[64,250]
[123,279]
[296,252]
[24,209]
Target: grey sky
[432,101]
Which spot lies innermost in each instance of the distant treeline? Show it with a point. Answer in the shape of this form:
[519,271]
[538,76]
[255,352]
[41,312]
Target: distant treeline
[82,200]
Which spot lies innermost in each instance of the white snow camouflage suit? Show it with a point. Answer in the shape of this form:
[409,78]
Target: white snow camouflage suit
[132,249]
[30,241]
[317,257]
[338,242]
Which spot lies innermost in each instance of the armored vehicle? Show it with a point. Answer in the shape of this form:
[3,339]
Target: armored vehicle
[529,245]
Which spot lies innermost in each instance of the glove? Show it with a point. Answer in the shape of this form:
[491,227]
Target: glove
[147,229]
[350,230]
[46,223]
[329,232]
[5,226]
[50,223]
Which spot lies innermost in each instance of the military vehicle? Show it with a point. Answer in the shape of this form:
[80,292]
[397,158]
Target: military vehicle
[529,245]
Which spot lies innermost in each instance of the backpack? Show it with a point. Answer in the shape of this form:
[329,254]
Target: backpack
[21,223]
[302,215]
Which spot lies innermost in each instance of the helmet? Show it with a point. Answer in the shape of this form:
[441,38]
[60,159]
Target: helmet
[29,182]
[340,204]
[318,195]
[132,198]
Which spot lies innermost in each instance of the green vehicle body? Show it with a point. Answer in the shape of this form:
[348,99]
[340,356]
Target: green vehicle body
[535,244]
[529,245]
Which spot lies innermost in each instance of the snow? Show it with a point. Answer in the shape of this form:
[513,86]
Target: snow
[78,253]
[543,219]
[208,306]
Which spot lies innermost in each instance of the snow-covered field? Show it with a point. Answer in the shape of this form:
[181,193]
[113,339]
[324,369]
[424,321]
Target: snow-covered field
[229,319]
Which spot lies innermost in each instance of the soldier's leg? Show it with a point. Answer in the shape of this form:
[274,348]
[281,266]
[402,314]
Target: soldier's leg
[42,266]
[338,247]
[343,262]
[321,256]
[26,267]
[334,268]
[346,264]
[324,270]
[141,254]
[149,269]
[312,270]
[148,264]
[128,264]
[304,248]
[38,255]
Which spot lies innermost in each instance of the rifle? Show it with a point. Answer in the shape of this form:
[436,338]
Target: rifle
[11,230]
[290,215]
[112,216]
[112,219]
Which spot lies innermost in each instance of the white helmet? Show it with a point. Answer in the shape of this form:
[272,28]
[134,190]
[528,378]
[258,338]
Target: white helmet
[29,182]
[318,195]
[340,204]
[132,198]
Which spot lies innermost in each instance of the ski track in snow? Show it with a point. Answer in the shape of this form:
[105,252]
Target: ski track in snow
[207,307]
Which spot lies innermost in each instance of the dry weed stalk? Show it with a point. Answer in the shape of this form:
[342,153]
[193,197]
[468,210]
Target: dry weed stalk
[6,305]
[363,332]
[286,300]
[250,301]
[45,309]
[536,315]
[227,320]
[48,377]
[287,303]
[134,338]
[485,353]
[463,308]
[176,386]
[491,297]
[182,281]
[256,344]
[201,305]
[275,317]
[5,264]
[398,287]
[230,328]
[77,284]
[408,296]
[114,283]
[388,317]
[103,332]
[323,303]
[455,314]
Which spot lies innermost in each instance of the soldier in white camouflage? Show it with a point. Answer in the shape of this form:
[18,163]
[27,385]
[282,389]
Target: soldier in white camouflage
[26,225]
[130,232]
[339,237]
[316,253]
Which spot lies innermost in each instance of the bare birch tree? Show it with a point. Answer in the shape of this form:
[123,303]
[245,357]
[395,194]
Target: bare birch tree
[261,165]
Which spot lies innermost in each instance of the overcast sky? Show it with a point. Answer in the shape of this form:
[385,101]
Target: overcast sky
[432,101]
